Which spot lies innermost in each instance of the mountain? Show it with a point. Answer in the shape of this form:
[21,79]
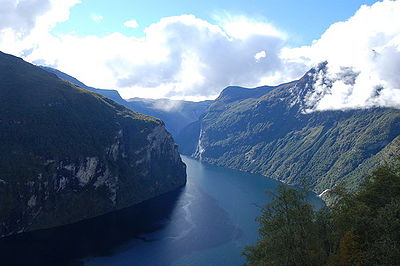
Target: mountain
[175,114]
[69,154]
[111,94]
[271,131]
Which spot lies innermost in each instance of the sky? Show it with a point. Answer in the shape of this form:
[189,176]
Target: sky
[304,21]
[192,50]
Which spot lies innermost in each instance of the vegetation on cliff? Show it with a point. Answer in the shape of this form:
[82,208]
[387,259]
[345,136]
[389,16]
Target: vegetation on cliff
[270,130]
[68,154]
[174,113]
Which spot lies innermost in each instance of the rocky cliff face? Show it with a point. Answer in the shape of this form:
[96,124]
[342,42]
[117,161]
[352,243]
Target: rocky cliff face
[68,154]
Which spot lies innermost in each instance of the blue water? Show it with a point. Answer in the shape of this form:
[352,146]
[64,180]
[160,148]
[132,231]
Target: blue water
[207,222]
[213,220]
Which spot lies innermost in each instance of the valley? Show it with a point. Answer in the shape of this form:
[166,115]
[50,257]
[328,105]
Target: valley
[212,133]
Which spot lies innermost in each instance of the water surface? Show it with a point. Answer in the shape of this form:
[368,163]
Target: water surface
[208,222]
[213,219]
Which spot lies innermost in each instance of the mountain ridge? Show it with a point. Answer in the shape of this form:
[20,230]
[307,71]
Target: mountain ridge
[181,114]
[280,135]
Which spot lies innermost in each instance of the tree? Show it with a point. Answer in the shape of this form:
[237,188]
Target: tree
[361,228]
[368,222]
[288,232]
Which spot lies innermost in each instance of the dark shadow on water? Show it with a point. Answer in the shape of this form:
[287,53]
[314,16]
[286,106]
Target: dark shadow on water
[97,236]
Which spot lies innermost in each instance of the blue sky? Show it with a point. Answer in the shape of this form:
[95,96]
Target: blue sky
[193,50]
[303,21]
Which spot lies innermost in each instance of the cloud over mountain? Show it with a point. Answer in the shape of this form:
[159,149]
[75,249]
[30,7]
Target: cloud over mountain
[180,57]
[185,57]
[363,55]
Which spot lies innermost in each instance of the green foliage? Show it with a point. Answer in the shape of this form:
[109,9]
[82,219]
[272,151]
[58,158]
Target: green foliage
[362,228]
[181,114]
[53,133]
[368,221]
[43,117]
[288,232]
[265,130]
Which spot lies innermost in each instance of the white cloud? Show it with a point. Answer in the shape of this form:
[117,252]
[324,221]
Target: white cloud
[25,24]
[196,58]
[184,57]
[242,27]
[258,56]
[367,47]
[96,18]
[180,57]
[168,105]
[131,24]
[21,15]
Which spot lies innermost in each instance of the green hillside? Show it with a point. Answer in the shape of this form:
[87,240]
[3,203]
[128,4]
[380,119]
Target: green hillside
[273,135]
[63,147]
[174,113]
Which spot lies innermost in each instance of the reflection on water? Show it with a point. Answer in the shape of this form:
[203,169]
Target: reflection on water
[97,236]
[208,222]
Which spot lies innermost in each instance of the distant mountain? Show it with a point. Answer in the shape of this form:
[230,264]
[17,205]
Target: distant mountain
[111,94]
[69,154]
[175,114]
[269,130]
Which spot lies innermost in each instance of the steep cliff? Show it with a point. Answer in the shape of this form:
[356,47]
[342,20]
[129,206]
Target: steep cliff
[69,154]
[271,131]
